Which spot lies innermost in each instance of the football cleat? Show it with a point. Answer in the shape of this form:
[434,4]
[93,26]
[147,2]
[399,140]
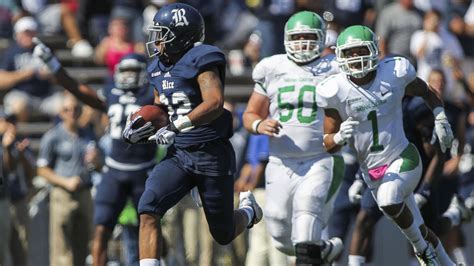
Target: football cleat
[332,248]
[428,257]
[247,199]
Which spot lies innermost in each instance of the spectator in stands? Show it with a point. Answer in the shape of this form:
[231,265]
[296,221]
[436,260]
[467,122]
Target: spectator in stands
[395,25]
[54,17]
[131,11]
[5,161]
[19,171]
[10,12]
[461,23]
[434,47]
[117,44]
[236,26]
[16,172]
[150,11]
[272,18]
[27,79]
[449,182]
[441,5]
[63,160]
[93,19]
[348,12]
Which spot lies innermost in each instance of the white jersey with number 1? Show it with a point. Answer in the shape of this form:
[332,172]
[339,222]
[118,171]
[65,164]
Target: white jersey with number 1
[291,89]
[379,138]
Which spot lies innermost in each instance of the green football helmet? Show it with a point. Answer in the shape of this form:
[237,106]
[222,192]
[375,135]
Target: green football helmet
[357,37]
[303,50]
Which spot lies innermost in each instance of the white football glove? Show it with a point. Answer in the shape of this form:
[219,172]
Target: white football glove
[355,191]
[44,53]
[442,130]
[420,200]
[138,135]
[346,131]
[164,136]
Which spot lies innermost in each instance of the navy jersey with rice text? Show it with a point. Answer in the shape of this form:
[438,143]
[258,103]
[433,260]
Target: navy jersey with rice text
[179,90]
[121,103]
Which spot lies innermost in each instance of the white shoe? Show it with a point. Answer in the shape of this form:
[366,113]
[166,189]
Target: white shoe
[332,249]
[463,210]
[428,257]
[82,49]
[247,199]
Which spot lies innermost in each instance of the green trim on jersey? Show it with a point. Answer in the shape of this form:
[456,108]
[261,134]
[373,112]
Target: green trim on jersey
[261,86]
[338,169]
[410,157]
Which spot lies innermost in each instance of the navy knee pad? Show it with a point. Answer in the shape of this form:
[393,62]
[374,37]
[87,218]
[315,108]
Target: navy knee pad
[148,202]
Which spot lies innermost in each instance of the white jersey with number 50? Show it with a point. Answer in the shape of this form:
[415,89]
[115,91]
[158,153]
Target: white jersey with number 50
[379,138]
[291,89]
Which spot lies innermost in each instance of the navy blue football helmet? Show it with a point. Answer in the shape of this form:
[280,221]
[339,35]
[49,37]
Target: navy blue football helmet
[176,28]
[130,72]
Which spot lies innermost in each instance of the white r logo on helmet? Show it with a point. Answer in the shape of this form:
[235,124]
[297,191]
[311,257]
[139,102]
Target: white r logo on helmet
[179,17]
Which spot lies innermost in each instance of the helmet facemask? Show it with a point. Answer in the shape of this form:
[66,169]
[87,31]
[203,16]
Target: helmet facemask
[304,50]
[360,65]
[130,74]
[158,37]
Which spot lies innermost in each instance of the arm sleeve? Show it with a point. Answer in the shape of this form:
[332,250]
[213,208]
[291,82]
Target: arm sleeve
[46,155]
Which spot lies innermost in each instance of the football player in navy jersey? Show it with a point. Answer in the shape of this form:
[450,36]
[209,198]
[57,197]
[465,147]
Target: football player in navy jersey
[127,166]
[188,77]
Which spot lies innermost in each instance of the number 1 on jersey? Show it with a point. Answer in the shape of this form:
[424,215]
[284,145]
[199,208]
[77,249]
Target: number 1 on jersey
[372,116]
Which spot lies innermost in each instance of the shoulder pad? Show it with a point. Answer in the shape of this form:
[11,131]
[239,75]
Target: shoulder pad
[198,59]
[326,91]
[265,67]
[400,66]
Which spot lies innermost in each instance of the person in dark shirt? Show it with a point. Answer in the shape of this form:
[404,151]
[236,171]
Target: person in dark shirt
[26,78]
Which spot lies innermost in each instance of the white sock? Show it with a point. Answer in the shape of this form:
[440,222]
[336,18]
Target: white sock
[249,212]
[459,254]
[413,234]
[443,257]
[149,262]
[356,260]
[454,215]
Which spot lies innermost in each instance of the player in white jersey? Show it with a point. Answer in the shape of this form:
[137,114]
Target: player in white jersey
[362,107]
[302,179]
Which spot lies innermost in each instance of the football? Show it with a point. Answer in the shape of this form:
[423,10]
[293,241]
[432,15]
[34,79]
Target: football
[151,113]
